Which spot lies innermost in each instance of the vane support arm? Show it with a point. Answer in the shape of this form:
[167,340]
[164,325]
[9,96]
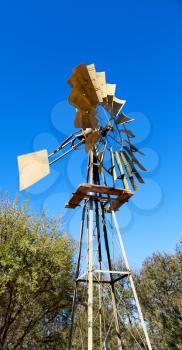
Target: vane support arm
[73,148]
[66,142]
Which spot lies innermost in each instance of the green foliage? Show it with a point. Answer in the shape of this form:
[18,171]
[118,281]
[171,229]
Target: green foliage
[35,280]
[36,286]
[160,291]
[159,288]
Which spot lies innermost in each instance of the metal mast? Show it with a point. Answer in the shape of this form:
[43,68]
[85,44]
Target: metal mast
[90,261]
[96,200]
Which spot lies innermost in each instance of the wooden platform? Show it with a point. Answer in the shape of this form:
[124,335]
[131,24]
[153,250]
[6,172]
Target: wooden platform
[113,198]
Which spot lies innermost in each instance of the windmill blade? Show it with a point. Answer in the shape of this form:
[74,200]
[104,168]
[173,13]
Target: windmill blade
[117,106]
[113,169]
[134,185]
[83,96]
[79,100]
[80,81]
[123,177]
[111,88]
[91,139]
[128,132]
[135,160]
[101,81]
[101,159]
[93,77]
[122,119]
[32,168]
[85,119]
[134,148]
[133,169]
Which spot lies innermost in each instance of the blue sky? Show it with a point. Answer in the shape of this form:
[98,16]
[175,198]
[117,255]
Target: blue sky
[139,45]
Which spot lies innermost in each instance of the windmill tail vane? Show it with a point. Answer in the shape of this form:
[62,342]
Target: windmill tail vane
[114,166]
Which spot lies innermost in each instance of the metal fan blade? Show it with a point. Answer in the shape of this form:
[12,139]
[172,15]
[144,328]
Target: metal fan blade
[86,119]
[101,159]
[122,119]
[133,169]
[80,101]
[91,139]
[117,105]
[113,170]
[135,160]
[93,77]
[81,82]
[134,185]
[123,177]
[101,81]
[128,132]
[111,88]
[32,168]
[134,148]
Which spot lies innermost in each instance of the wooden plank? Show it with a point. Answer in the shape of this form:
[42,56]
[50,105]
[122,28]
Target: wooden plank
[119,196]
[115,205]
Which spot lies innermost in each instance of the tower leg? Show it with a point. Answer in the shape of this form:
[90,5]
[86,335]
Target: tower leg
[90,278]
[99,263]
[132,282]
[76,276]
[90,262]
[113,295]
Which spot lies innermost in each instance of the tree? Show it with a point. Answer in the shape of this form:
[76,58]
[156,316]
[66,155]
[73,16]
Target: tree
[36,268]
[159,287]
[36,288]
[160,291]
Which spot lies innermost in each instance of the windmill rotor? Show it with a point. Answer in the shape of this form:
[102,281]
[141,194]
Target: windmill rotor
[99,109]
[102,125]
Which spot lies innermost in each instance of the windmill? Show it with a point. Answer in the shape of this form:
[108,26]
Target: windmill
[111,178]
